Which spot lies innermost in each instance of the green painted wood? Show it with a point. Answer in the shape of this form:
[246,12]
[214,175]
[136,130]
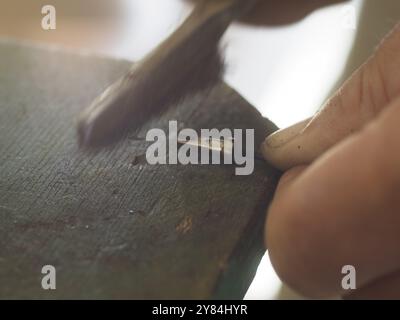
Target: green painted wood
[112,225]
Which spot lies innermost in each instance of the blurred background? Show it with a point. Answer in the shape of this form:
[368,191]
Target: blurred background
[286,70]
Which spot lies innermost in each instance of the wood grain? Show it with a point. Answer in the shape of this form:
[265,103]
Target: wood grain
[112,225]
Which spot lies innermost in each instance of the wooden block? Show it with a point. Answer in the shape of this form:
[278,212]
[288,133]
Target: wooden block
[112,225]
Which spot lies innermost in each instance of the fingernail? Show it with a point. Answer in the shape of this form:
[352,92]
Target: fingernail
[283,136]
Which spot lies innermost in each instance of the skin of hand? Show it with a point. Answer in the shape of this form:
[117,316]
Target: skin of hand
[338,202]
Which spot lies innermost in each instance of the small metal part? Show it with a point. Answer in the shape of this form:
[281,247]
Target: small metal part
[211,143]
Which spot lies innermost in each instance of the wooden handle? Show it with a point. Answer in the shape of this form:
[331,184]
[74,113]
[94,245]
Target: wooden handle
[188,61]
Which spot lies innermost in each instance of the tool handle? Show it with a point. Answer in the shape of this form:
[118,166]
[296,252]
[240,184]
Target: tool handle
[186,62]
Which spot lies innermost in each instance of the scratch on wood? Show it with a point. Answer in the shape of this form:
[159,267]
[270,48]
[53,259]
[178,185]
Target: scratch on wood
[185,225]
[7,208]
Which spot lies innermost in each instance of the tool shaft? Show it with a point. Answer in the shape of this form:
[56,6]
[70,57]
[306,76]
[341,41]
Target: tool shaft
[187,61]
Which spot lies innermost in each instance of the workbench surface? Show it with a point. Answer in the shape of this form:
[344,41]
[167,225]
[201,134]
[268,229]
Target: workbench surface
[112,225]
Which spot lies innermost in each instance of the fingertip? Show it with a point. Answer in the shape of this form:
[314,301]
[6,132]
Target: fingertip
[278,148]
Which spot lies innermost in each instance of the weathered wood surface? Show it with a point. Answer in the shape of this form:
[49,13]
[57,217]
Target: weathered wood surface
[112,225]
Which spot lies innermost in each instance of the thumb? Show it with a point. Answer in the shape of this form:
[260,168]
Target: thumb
[360,99]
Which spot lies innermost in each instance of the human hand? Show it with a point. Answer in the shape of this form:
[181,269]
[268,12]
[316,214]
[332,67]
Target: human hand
[339,202]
